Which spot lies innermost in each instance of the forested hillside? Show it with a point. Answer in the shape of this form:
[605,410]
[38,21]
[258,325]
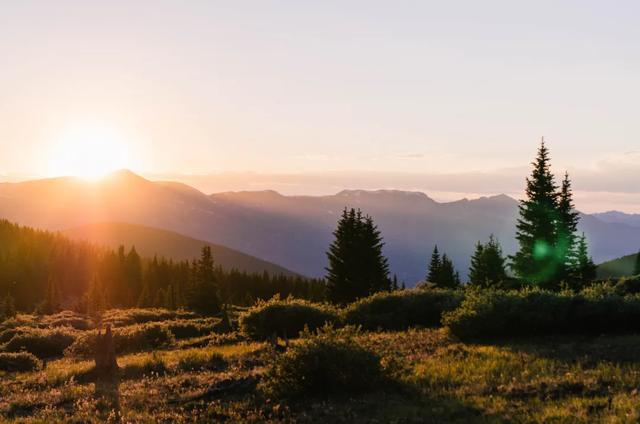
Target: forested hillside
[150,242]
[40,269]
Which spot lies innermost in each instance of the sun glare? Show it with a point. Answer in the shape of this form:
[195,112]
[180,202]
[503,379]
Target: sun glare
[89,152]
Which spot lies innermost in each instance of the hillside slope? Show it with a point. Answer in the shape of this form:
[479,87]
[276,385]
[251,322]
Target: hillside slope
[619,267]
[150,241]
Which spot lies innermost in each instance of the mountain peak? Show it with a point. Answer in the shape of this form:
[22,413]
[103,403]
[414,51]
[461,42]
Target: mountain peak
[124,175]
[390,193]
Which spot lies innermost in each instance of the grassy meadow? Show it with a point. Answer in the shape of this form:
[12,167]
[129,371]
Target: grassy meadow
[179,367]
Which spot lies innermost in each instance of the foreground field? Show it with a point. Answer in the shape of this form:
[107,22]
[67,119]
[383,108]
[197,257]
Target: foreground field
[435,379]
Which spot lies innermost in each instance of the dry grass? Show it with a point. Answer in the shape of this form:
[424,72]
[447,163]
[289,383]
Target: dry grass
[439,379]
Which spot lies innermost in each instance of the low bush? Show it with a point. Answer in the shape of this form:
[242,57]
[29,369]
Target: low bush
[189,328]
[497,314]
[130,339]
[202,360]
[328,363]
[147,367]
[19,362]
[285,318]
[67,319]
[43,343]
[402,309]
[125,317]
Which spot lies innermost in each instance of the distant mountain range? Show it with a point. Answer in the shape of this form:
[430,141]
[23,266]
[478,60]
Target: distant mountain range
[292,231]
[153,241]
[632,219]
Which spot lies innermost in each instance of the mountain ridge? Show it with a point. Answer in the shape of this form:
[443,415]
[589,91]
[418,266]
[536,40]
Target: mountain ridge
[292,231]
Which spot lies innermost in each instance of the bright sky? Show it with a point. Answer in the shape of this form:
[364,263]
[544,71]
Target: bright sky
[175,87]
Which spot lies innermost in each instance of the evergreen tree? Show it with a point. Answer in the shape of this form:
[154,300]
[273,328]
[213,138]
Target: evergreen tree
[96,298]
[636,268]
[205,291]
[585,271]
[446,277]
[567,225]
[488,265]
[132,277]
[375,266]
[170,298]
[51,303]
[478,274]
[536,260]
[357,267]
[145,300]
[394,283]
[7,307]
[434,266]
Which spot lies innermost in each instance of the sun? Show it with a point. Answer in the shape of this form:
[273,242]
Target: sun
[89,152]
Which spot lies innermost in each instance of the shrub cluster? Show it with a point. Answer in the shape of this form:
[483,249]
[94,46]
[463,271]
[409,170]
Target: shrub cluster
[202,360]
[400,310]
[124,317]
[133,338]
[285,318]
[43,343]
[492,314]
[67,319]
[190,328]
[19,362]
[328,363]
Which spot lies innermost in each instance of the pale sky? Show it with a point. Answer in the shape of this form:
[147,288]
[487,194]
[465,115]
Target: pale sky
[295,87]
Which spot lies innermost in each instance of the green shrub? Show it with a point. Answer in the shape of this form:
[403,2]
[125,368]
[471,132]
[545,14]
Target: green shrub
[19,362]
[41,342]
[402,309]
[154,365]
[67,319]
[285,318]
[497,314]
[125,317]
[189,328]
[133,338]
[329,363]
[195,361]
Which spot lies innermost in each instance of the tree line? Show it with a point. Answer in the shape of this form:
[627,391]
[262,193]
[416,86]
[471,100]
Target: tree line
[551,253]
[45,272]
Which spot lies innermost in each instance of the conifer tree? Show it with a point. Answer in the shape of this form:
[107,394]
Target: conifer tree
[446,277]
[375,266]
[205,291]
[357,267]
[636,268]
[51,303]
[434,266]
[394,283]
[488,265]
[145,301]
[478,269]
[585,271]
[7,307]
[536,260]
[96,299]
[567,225]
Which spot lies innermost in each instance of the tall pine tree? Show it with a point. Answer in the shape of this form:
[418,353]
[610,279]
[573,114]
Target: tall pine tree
[488,265]
[585,270]
[447,276]
[357,267]
[636,268]
[537,261]
[204,296]
[434,266]
[567,225]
